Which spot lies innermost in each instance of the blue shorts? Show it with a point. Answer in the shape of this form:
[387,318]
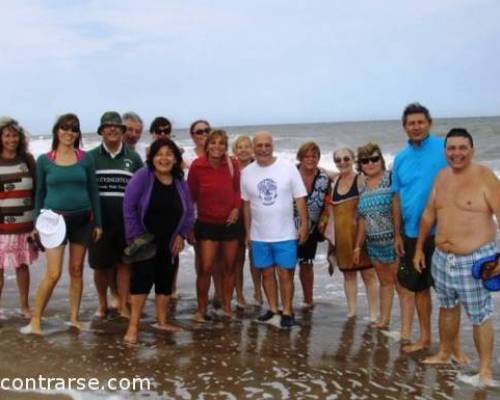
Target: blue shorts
[274,254]
[454,283]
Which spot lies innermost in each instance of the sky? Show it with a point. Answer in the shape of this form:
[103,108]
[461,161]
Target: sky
[247,62]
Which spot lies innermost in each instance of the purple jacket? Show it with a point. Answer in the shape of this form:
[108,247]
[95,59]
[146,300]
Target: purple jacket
[136,204]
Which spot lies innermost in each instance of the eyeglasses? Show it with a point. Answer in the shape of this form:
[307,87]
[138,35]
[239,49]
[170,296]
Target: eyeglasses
[205,131]
[372,159]
[163,131]
[339,160]
[70,128]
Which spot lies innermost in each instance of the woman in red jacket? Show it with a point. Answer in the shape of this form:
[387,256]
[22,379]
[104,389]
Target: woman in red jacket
[214,182]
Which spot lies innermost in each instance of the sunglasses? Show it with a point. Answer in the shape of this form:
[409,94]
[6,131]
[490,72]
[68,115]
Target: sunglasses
[163,131]
[72,128]
[373,159]
[205,131]
[339,160]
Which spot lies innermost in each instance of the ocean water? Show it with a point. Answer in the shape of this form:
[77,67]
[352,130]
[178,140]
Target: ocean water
[334,135]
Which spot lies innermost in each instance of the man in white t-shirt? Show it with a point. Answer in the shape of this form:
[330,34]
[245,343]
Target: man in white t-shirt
[269,187]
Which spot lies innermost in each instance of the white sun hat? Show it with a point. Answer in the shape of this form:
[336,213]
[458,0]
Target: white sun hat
[51,228]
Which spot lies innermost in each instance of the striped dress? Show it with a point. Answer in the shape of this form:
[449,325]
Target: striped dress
[16,211]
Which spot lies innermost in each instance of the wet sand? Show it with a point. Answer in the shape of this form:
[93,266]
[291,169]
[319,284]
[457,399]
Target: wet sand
[324,357]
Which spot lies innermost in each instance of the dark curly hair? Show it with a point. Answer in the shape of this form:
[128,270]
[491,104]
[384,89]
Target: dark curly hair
[12,124]
[177,171]
[158,122]
[66,119]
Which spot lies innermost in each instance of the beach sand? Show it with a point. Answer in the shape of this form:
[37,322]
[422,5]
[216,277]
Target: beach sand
[324,357]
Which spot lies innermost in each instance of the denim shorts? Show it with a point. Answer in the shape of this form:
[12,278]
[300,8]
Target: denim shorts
[455,284]
[274,254]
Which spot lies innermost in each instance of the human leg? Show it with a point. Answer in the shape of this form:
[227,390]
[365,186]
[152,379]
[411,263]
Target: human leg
[123,288]
[239,264]
[351,292]
[101,285]
[23,284]
[76,258]
[229,251]
[449,320]
[306,274]
[385,277]
[370,280]
[483,339]
[141,281]
[286,289]
[53,273]
[207,251]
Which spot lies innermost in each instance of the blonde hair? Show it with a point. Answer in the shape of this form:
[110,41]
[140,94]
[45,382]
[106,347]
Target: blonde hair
[217,133]
[240,139]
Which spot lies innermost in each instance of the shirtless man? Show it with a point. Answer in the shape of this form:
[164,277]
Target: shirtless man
[463,201]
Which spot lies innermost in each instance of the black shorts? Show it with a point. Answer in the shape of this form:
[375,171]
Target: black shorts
[307,252]
[159,271]
[108,250]
[408,277]
[79,227]
[218,232]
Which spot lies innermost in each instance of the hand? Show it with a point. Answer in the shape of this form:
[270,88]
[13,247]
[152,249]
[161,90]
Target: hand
[491,270]
[177,245]
[399,245]
[303,233]
[419,260]
[190,238]
[356,255]
[233,216]
[96,234]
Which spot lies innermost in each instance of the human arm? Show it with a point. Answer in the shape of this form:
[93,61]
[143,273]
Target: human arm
[304,219]
[131,209]
[426,223]
[93,193]
[360,238]
[235,212]
[247,221]
[492,196]
[41,185]
[396,218]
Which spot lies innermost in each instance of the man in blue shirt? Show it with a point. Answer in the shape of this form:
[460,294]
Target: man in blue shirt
[414,171]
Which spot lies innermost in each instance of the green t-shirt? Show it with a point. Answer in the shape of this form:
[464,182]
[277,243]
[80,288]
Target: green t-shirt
[67,188]
[112,175]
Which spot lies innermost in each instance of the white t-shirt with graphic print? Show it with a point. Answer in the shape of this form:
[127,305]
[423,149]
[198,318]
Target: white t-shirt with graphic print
[271,191]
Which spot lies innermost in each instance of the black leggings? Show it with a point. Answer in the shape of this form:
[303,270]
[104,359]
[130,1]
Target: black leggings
[160,271]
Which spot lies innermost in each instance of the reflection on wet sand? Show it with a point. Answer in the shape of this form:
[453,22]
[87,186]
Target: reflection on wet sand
[324,357]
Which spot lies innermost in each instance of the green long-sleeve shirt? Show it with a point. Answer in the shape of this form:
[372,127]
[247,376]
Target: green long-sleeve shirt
[67,189]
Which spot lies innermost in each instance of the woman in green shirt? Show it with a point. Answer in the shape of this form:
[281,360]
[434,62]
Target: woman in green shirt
[66,184]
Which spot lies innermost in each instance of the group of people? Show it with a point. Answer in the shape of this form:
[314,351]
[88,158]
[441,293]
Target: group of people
[422,224]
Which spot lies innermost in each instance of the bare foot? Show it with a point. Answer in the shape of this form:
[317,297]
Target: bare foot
[26,312]
[75,324]
[130,337]
[379,325]
[307,306]
[199,318]
[100,313]
[124,313]
[167,327]
[30,329]
[437,359]
[351,314]
[461,359]
[418,345]
[115,302]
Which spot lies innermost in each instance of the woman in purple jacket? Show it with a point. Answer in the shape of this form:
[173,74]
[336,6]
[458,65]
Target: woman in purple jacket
[157,201]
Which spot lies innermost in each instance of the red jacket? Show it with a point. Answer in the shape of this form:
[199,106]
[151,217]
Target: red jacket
[214,190]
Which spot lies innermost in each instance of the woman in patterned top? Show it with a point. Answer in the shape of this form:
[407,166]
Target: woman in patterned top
[376,226]
[17,176]
[317,184]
